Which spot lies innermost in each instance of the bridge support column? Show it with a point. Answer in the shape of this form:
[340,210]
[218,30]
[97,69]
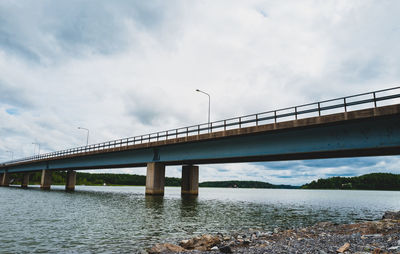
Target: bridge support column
[45,183]
[5,180]
[70,181]
[155,178]
[25,180]
[190,180]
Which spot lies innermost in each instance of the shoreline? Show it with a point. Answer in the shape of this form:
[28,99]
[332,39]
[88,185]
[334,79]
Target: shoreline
[381,236]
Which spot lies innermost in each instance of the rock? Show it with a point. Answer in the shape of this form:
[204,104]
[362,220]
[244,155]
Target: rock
[227,238]
[166,247]
[225,249]
[203,243]
[377,251]
[345,247]
[215,248]
[391,215]
[394,248]
[373,236]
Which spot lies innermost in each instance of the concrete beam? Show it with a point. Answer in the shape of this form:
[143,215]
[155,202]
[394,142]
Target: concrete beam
[155,178]
[5,180]
[25,180]
[190,180]
[45,183]
[70,181]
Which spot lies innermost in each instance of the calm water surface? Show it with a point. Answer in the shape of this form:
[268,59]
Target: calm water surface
[123,220]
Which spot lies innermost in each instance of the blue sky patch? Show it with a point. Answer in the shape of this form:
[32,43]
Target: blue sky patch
[12,111]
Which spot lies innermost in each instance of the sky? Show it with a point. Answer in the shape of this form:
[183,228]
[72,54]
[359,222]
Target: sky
[126,68]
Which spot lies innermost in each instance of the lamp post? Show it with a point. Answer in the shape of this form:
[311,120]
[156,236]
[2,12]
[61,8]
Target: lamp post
[209,106]
[12,154]
[87,136]
[34,148]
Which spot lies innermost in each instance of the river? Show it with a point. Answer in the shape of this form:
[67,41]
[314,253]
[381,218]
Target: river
[111,219]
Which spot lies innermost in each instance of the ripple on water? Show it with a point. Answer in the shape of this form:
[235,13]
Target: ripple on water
[123,220]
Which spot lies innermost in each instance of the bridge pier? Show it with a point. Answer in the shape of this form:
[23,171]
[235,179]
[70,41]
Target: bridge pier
[190,180]
[70,181]
[45,183]
[5,180]
[155,178]
[25,181]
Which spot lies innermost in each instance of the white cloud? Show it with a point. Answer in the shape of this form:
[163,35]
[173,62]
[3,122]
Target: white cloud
[127,68]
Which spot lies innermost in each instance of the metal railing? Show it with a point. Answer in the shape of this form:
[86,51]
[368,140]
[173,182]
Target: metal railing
[343,104]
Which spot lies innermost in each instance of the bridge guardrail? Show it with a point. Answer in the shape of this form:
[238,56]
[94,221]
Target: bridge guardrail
[274,116]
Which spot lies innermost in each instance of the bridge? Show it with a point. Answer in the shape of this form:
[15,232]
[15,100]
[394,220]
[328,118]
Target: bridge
[365,124]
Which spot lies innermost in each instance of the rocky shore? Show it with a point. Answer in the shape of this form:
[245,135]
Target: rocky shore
[381,236]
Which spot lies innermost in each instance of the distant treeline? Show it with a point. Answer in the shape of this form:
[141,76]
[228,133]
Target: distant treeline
[245,184]
[374,181]
[58,177]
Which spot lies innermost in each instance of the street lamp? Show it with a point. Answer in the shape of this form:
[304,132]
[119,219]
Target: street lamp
[34,148]
[209,106]
[87,136]
[12,154]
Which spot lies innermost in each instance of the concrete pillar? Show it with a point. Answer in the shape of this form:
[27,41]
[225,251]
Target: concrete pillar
[70,181]
[155,178]
[190,180]
[5,180]
[46,180]
[25,180]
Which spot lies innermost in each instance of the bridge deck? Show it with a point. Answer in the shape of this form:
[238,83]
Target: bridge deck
[311,122]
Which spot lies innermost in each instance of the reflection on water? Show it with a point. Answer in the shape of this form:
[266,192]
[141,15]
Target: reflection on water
[124,220]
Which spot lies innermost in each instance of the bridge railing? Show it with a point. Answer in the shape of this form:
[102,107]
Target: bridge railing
[343,104]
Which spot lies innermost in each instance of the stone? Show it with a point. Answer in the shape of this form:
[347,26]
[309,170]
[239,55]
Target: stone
[391,215]
[203,243]
[377,251]
[394,248]
[165,247]
[345,247]
[225,249]
[373,236]
[215,248]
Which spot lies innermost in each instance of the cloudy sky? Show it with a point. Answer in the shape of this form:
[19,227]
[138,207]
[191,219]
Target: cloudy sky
[125,68]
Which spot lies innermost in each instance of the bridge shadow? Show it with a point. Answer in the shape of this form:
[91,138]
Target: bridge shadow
[155,203]
[189,206]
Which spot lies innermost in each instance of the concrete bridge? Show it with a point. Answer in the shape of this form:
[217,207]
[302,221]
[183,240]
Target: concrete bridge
[360,125]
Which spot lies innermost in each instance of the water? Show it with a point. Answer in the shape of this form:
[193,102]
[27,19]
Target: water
[123,220]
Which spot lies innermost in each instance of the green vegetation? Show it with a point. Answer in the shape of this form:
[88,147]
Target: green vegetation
[374,181]
[58,178]
[95,179]
[245,184]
